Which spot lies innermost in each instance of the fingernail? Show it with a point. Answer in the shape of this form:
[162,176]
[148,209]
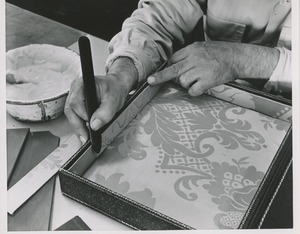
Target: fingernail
[96,124]
[82,139]
[151,79]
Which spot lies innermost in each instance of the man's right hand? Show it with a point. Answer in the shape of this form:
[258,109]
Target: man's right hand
[112,91]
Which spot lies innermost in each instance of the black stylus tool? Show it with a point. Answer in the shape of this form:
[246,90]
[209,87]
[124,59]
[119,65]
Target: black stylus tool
[90,92]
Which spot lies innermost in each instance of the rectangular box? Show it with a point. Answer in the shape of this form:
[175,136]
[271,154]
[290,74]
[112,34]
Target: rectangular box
[171,161]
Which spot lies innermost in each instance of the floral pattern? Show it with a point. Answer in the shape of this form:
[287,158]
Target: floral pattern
[201,154]
[233,187]
[252,101]
[114,182]
[184,122]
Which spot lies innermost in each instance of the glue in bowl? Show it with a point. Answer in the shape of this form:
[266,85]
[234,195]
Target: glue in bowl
[38,79]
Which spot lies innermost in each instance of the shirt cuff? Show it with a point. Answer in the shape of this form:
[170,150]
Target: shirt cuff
[280,81]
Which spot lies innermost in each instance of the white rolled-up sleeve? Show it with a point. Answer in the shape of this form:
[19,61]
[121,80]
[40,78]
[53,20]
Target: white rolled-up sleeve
[147,36]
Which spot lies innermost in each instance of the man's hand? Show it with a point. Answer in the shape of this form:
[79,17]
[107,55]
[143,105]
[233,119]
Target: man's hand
[112,91]
[204,65]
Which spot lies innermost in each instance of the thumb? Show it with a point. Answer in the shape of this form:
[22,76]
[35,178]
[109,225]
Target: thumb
[104,113]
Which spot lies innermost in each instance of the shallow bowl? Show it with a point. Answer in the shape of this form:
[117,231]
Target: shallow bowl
[50,104]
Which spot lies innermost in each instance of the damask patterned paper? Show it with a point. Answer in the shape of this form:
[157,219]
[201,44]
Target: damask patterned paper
[198,160]
[251,101]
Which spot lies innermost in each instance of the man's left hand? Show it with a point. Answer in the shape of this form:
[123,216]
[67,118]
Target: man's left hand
[203,65]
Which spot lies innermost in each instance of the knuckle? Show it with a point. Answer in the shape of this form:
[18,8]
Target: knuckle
[67,107]
[197,89]
[175,70]
[159,76]
[106,116]
[71,104]
[102,87]
[183,82]
[200,90]
[194,92]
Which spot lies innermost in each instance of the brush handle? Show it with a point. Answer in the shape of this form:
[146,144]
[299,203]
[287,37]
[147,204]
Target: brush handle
[90,93]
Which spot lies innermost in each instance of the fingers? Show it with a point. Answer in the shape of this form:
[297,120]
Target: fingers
[77,100]
[200,86]
[174,71]
[75,110]
[189,76]
[112,96]
[165,75]
[181,62]
[197,89]
[77,123]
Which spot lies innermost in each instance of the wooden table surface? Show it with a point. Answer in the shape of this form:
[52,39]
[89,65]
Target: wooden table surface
[23,28]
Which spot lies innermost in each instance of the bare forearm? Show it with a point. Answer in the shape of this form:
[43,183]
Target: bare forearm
[252,61]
